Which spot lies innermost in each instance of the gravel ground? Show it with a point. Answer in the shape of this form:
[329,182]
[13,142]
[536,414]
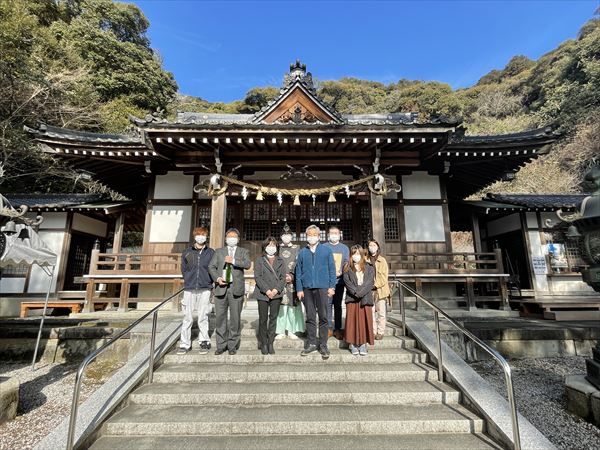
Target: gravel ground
[45,399]
[540,392]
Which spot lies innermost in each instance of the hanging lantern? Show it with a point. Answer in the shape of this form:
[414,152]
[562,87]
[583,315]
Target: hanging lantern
[259,196]
[244,193]
[297,200]
[331,198]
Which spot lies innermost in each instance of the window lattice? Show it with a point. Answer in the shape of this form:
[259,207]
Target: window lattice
[390,221]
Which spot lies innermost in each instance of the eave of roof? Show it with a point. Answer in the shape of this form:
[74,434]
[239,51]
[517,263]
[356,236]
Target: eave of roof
[48,132]
[53,200]
[535,136]
[539,201]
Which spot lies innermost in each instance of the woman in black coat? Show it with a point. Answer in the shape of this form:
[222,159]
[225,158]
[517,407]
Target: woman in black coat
[269,275]
[359,276]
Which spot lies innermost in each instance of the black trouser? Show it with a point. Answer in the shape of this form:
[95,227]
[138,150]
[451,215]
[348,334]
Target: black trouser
[315,302]
[228,332]
[335,319]
[267,311]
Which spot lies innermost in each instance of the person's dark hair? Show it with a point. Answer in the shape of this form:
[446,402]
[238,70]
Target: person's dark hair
[334,227]
[233,230]
[200,230]
[267,241]
[363,261]
[376,243]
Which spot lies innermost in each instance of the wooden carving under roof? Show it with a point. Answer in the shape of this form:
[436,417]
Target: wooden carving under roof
[297,107]
[298,102]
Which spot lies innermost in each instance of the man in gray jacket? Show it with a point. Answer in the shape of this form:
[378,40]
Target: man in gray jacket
[227,269]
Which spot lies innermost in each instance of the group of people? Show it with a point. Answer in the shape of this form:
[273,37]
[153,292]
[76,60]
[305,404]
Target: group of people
[319,276]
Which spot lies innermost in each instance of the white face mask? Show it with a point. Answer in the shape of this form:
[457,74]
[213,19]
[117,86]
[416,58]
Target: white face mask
[286,239]
[334,238]
[373,249]
[270,250]
[312,240]
[200,238]
[356,258]
[231,241]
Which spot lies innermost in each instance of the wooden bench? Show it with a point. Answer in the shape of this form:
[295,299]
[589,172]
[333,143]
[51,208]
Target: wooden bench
[75,306]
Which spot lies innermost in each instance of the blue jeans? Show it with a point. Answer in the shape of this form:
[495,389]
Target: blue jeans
[334,308]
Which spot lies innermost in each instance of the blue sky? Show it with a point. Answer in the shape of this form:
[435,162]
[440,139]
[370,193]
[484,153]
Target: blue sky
[220,49]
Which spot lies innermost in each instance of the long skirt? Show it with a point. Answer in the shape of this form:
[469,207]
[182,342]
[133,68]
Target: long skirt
[359,324]
[290,319]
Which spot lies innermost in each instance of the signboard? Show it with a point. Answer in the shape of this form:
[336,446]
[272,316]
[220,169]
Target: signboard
[539,265]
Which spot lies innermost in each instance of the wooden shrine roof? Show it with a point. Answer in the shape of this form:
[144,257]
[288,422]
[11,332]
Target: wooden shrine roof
[297,128]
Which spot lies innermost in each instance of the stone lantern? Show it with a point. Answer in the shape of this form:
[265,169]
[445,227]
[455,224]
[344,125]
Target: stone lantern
[585,228]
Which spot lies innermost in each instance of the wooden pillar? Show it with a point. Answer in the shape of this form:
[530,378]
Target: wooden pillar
[502,287]
[476,233]
[91,283]
[118,237]
[471,305]
[218,214]
[377,221]
[124,296]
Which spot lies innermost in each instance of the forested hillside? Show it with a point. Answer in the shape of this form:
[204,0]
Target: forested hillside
[88,64]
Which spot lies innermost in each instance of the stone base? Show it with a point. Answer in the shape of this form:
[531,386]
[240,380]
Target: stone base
[583,399]
[593,370]
[9,398]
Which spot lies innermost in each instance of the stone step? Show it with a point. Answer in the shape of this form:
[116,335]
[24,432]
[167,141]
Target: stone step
[179,420]
[444,441]
[323,371]
[405,393]
[252,330]
[251,343]
[379,356]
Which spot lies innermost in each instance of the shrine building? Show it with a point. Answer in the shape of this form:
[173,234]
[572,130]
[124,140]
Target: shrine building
[394,177]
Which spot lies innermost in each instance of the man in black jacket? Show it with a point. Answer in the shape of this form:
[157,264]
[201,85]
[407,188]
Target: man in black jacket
[197,289]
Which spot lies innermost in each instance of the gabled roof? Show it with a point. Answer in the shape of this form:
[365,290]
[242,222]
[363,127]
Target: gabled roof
[298,102]
[297,106]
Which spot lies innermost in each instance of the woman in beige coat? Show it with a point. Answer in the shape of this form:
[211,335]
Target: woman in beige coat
[381,288]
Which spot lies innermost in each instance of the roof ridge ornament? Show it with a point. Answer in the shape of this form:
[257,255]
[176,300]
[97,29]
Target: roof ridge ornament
[298,73]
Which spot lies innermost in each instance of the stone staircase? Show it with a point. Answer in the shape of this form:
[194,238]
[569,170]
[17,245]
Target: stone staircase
[389,399]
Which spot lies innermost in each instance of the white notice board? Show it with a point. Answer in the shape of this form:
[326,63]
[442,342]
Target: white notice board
[539,265]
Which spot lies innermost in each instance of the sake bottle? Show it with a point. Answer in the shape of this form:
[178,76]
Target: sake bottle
[228,273]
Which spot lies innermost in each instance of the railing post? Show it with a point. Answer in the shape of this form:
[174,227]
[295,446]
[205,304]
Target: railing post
[74,407]
[152,339]
[402,306]
[438,334]
[513,409]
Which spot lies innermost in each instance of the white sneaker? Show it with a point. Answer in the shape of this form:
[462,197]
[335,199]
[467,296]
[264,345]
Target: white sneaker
[293,336]
[279,337]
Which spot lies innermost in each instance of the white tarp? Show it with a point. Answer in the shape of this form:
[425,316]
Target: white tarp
[26,247]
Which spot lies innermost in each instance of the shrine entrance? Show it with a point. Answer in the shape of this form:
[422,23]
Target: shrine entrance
[257,220]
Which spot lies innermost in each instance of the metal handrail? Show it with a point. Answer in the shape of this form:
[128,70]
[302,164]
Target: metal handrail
[497,356]
[92,356]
